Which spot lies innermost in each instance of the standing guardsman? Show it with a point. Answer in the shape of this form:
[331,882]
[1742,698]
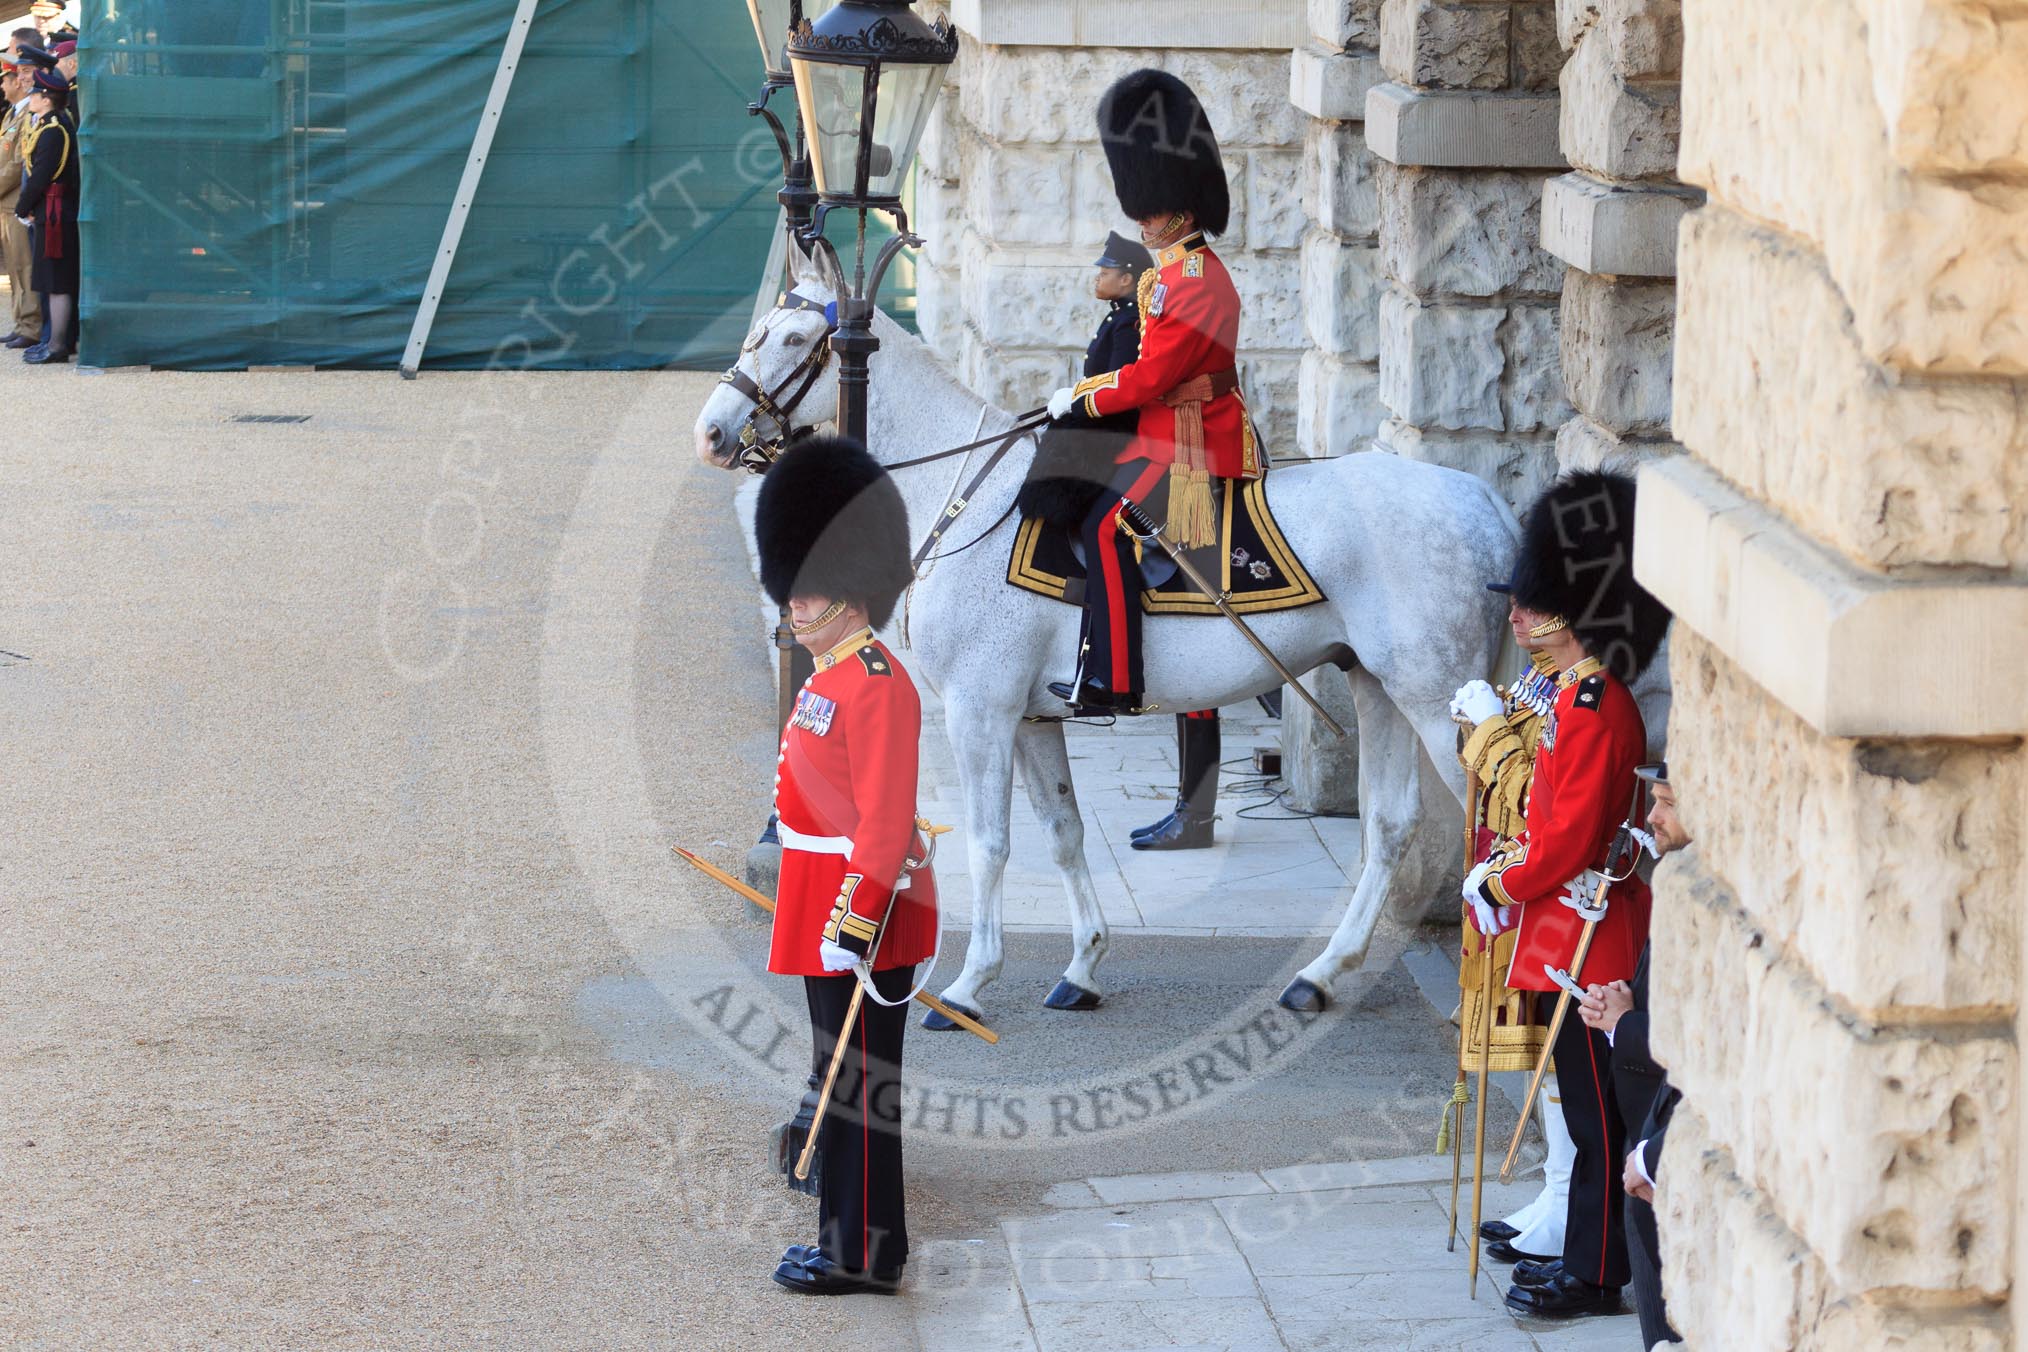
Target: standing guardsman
[856,903]
[1505,730]
[1576,567]
[48,204]
[1191,423]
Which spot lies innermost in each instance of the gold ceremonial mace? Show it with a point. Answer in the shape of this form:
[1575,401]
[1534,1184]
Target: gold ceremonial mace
[1479,1136]
[1454,1110]
[760,899]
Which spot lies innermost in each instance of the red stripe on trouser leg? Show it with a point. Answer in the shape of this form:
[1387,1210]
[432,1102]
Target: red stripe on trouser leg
[1116,595]
[1606,1130]
[1202,713]
[865,1155]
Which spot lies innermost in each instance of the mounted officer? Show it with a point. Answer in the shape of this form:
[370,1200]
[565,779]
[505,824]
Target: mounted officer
[1191,424]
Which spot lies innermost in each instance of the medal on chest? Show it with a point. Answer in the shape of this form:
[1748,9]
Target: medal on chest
[1155,301]
[1549,732]
[813,713]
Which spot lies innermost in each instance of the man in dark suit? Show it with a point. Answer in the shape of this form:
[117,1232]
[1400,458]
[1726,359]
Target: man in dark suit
[1640,1085]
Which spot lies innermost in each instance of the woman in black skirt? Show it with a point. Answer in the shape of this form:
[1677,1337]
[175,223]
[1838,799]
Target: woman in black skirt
[49,191]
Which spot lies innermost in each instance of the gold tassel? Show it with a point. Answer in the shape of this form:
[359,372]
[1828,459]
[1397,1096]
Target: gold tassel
[1460,1096]
[1193,520]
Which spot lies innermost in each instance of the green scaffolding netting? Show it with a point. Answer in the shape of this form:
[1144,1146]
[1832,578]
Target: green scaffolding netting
[267,182]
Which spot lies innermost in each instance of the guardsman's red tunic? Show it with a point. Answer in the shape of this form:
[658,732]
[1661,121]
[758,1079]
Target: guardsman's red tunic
[845,799]
[1582,788]
[1189,328]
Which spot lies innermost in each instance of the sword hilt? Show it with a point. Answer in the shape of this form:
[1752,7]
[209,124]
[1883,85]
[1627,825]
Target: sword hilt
[1137,520]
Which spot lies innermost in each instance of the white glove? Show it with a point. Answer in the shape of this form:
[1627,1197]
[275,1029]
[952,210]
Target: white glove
[1646,841]
[1487,918]
[836,958]
[1475,702]
[1060,402]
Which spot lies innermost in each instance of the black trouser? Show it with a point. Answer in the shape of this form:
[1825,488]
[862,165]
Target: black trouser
[1644,1257]
[1594,1233]
[861,1222]
[1112,578]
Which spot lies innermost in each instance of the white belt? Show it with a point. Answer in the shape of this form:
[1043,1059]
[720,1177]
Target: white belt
[792,839]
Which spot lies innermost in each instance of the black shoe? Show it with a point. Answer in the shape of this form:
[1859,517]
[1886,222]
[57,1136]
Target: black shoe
[1537,1274]
[1567,1297]
[1497,1230]
[800,1254]
[1092,698]
[819,1276]
[1503,1252]
[17,342]
[1182,831]
[36,356]
[1140,831]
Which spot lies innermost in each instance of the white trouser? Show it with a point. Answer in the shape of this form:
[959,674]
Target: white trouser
[1541,1221]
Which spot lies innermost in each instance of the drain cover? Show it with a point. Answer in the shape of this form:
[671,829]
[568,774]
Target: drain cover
[273,417]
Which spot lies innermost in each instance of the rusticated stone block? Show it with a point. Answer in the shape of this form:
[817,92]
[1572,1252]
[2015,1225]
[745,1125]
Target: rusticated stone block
[1645,38]
[1327,83]
[1339,192]
[1440,365]
[939,219]
[1239,91]
[1464,234]
[1443,44]
[1537,55]
[1617,342]
[1117,23]
[1009,378]
[1345,23]
[1321,767]
[1462,129]
[1893,1157]
[1339,406]
[1620,131]
[1517,465]
[1274,199]
[1600,228]
[1341,296]
[1839,859]
[1952,78]
[1272,382]
[1271,301]
[1531,390]
[1021,196]
[1049,95]
[1930,266]
[938,315]
[1778,397]
[1574,19]
[1584,444]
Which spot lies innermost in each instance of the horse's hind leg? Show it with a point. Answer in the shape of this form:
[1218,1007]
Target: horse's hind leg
[1390,806]
[1045,770]
[984,748]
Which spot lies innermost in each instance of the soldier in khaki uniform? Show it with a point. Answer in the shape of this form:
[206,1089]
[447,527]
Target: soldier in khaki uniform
[14,242]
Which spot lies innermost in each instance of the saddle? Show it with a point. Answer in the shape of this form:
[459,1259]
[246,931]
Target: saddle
[1252,561]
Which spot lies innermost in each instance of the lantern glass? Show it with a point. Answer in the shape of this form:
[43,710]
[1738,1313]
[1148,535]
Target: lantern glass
[835,115]
[772,20]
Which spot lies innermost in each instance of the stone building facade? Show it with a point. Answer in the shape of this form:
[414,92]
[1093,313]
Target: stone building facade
[1778,254]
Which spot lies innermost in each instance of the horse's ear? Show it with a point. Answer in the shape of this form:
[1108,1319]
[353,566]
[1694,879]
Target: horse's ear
[803,266]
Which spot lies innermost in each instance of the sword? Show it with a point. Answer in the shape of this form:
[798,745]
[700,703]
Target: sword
[762,900]
[1622,849]
[1146,531]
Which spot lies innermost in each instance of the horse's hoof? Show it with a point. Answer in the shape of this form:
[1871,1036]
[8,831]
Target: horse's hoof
[1069,995]
[1305,996]
[937,1023]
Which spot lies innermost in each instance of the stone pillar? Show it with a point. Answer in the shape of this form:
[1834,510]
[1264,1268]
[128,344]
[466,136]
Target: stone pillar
[1466,129]
[1845,544]
[1613,222]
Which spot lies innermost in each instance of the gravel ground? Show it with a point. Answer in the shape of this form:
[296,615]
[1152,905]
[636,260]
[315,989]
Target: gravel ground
[352,998]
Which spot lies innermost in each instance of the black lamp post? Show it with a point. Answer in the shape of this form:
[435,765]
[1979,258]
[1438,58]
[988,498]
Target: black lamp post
[866,74]
[773,21]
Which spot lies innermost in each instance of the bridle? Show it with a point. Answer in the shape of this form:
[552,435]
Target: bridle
[756,451]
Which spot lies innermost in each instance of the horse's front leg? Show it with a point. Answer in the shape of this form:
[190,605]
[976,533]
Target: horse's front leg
[983,744]
[1045,771]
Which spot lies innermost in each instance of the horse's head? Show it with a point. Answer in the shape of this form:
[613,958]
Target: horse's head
[785,380]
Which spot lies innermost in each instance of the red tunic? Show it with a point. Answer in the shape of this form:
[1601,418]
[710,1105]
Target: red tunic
[847,783]
[1583,786]
[1189,328]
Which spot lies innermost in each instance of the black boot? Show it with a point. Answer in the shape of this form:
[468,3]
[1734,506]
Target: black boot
[1189,826]
[1140,832]
[1089,698]
[1181,831]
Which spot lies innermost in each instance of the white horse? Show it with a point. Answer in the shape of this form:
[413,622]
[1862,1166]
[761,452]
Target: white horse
[1401,549]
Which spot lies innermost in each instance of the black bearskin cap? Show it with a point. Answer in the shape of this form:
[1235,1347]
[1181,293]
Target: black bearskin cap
[1163,153]
[831,523]
[1577,561]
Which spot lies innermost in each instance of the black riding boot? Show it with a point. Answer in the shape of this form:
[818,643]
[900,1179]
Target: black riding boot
[1189,826]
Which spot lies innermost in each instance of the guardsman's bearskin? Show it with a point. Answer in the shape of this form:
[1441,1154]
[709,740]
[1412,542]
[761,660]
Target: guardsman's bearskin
[1163,153]
[1577,562]
[831,523]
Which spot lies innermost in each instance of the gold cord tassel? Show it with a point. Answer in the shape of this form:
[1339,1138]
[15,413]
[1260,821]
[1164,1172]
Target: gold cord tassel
[1460,1096]
[1192,523]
